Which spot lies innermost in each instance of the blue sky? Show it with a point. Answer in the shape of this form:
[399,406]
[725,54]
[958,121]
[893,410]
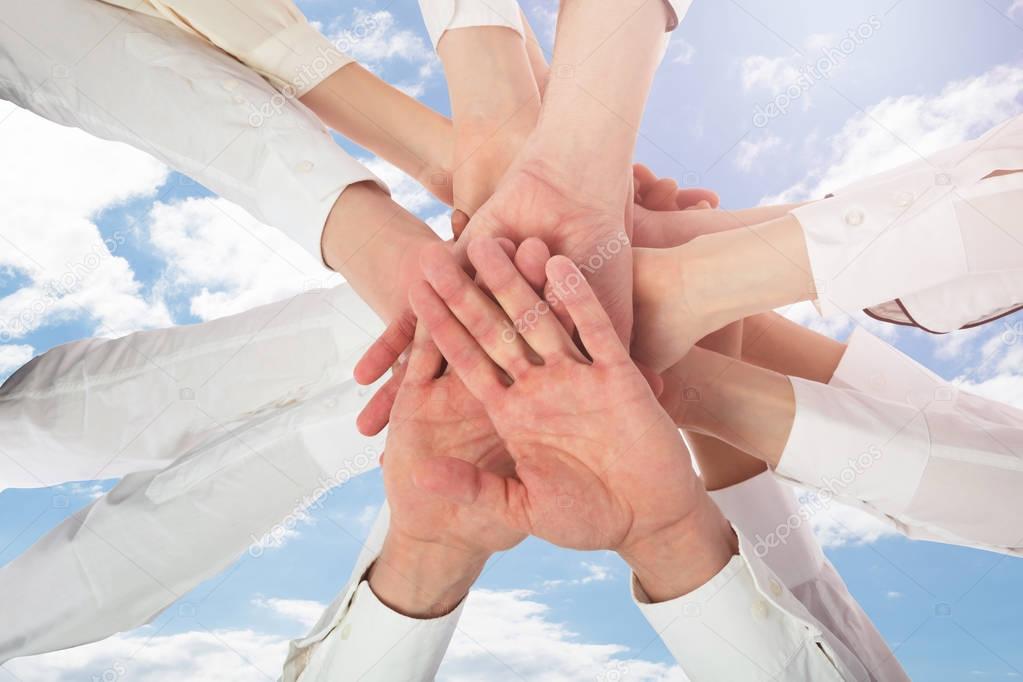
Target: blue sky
[928,74]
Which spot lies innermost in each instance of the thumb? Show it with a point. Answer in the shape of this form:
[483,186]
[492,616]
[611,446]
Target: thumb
[465,484]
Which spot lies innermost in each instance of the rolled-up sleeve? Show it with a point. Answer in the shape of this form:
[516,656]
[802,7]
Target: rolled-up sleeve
[272,37]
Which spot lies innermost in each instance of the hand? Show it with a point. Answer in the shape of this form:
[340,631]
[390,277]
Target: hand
[663,194]
[599,465]
[435,549]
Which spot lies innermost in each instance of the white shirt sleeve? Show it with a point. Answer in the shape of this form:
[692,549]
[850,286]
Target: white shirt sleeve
[360,638]
[443,15]
[932,243]
[766,512]
[272,37]
[744,624]
[936,462]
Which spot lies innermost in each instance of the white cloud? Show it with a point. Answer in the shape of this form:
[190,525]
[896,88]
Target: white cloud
[376,41]
[540,649]
[894,595]
[56,180]
[681,51]
[897,130]
[770,73]
[226,260]
[14,356]
[840,525]
[594,573]
[837,326]
[543,17]
[146,656]
[305,612]
[482,649]
[749,151]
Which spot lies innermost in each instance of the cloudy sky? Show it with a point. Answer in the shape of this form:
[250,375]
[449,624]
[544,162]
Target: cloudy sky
[733,108]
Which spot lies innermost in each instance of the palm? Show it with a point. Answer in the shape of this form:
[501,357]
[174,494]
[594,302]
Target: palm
[600,460]
[592,231]
[441,417]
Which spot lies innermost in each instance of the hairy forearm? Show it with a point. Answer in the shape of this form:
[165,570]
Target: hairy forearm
[387,122]
[374,243]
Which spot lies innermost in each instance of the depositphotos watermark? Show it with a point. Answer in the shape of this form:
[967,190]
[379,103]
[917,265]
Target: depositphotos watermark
[810,74]
[818,501]
[558,290]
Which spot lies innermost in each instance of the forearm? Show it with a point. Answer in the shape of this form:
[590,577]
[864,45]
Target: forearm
[665,229]
[537,59]
[781,345]
[736,274]
[374,243]
[604,59]
[423,580]
[387,122]
[748,407]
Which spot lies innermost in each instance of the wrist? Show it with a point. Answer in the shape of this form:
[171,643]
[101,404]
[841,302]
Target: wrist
[368,238]
[423,579]
[679,559]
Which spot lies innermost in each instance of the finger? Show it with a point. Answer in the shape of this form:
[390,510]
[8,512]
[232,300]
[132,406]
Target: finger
[464,354]
[595,329]
[661,196]
[459,221]
[386,350]
[480,316]
[530,314]
[652,378]
[377,412]
[508,246]
[531,260]
[425,359]
[503,499]
[558,306]
[692,196]
[643,177]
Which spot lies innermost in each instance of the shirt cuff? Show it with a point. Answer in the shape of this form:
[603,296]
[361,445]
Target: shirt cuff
[743,624]
[372,643]
[849,445]
[765,511]
[677,10]
[296,59]
[443,15]
[875,244]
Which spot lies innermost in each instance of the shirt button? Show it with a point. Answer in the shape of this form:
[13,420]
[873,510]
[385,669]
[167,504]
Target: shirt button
[238,99]
[775,587]
[759,609]
[305,166]
[854,217]
[230,85]
[904,199]
[346,631]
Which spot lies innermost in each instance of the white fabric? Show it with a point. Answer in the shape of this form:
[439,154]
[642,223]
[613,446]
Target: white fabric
[220,449]
[931,243]
[272,37]
[443,15]
[765,510]
[128,77]
[936,462]
[360,638]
